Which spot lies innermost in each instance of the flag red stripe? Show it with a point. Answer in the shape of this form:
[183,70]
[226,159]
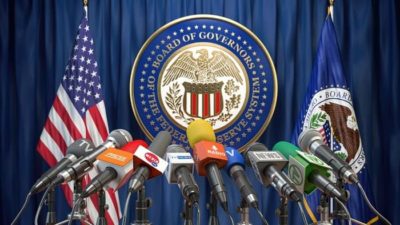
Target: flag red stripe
[55,134]
[217,102]
[68,193]
[114,201]
[46,154]
[101,126]
[206,103]
[194,104]
[95,199]
[73,130]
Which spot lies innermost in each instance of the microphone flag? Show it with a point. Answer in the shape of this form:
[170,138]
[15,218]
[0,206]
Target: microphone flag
[328,108]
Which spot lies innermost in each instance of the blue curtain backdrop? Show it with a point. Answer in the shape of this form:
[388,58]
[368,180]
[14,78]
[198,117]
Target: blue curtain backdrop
[36,38]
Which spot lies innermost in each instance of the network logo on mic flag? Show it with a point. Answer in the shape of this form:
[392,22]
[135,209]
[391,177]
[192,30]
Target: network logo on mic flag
[78,111]
[328,108]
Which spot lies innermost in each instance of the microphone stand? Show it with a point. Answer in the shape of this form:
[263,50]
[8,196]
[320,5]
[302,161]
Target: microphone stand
[282,211]
[244,213]
[51,208]
[101,220]
[80,213]
[338,211]
[187,214]
[142,205]
[323,210]
[212,207]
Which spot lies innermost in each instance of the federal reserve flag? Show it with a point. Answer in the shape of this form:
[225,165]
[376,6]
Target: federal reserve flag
[328,108]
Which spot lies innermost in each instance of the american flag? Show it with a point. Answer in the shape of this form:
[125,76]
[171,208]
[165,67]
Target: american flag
[78,111]
[328,138]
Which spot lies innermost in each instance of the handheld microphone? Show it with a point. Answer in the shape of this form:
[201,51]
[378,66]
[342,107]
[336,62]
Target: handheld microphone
[179,171]
[235,168]
[307,171]
[116,167]
[76,150]
[209,157]
[148,162]
[311,141]
[267,166]
[115,139]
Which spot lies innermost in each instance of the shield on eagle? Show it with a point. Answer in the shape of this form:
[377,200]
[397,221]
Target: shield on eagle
[203,100]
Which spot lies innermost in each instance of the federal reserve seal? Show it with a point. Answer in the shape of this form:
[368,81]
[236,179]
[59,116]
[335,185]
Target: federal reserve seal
[331,113]
[207,67]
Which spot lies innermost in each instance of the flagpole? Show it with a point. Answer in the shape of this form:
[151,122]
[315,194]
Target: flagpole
[85,6]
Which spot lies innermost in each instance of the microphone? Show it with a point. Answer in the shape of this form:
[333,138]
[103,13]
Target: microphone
[148,162]
[209,157]
[115,139]
[235,168]
[307,171]
[76,150]
[267,166]
[116,167]
[311,141]
[179,171]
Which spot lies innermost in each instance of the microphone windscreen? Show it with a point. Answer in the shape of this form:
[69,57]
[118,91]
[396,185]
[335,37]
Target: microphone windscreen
[120,137]
[307,137]
[160,143]
[175,149]
[286,149]
[133,145]
[234,158]
[81,147]
[200,130]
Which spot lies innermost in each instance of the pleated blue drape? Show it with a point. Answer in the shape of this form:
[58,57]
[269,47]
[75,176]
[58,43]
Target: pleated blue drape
[36,38]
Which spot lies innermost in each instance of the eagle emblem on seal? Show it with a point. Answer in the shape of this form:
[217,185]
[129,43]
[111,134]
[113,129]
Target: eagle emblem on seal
[204,95]
[203,69]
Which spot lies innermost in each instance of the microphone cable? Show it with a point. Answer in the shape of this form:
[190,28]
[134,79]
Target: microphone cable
[345,209]
[124,216]
[303,215]
[28,197]
[386,221]
[265,222]
[77,203]
[348,213]
[230,217]
[196,205]
[41,204]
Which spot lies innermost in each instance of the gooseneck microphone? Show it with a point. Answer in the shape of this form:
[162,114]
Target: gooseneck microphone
[235,168]
[307,171]
[267,166]
[115,139]
[148,162]
[209,157]
[311,141]
[76,150]
[179,171]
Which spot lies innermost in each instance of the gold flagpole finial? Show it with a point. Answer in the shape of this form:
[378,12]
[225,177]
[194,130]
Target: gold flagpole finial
[330,8]
[85,2]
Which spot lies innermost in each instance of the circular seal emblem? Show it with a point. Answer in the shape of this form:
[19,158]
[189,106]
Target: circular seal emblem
[331,113]
[207,67]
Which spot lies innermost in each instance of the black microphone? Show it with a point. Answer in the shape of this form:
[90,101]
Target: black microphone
[311,141]
[180,168]
[267,166]
[115,139]
[76,150]
[100,181]
[149,162]
[235,168]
